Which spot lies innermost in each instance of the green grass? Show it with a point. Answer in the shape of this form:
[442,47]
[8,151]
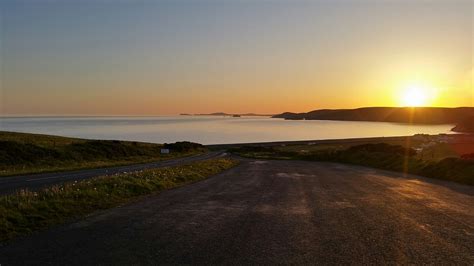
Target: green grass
[384,156]
[22,153]
[46,141]
[432,148]
[26,211]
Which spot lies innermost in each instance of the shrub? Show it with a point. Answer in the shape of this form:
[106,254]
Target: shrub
[454,169]
[383,148]
[244,149]
[469,156]
[12,153]
[183,146]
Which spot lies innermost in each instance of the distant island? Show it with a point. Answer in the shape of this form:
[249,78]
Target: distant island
[417,115]
[233,115]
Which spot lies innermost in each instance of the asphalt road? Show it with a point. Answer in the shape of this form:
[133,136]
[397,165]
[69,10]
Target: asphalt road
[36,181]
[269,212]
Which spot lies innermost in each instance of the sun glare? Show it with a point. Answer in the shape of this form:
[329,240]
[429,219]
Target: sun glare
[415,96]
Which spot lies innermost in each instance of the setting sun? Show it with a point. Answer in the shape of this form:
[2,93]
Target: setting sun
[416,96]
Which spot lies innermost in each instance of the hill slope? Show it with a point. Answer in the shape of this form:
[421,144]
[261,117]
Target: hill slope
[420,115]
[22,153]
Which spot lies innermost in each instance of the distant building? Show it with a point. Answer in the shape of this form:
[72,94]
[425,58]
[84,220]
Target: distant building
[165,151]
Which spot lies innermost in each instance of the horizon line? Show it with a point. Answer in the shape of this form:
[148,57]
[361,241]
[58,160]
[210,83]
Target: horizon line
[210,113]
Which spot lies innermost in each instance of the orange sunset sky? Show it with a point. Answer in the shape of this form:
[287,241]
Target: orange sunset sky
[170,57]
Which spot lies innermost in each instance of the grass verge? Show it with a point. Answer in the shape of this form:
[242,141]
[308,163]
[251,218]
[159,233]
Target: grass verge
[81,165]
[381,155]
[27,211]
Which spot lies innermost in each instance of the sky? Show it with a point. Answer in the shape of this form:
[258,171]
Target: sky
[149,57]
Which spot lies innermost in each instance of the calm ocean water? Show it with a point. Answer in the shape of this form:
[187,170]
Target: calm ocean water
[209,129]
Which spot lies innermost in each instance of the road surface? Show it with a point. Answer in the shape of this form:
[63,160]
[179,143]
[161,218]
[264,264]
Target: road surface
[269,212]
[36,181]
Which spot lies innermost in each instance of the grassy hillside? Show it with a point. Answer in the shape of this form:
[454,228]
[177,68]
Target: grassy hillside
[22,153]
[398,158]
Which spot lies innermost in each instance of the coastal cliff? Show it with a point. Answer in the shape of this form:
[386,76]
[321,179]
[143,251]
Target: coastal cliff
[418,115]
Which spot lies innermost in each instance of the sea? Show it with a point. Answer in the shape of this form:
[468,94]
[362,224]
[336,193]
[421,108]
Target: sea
[210,129]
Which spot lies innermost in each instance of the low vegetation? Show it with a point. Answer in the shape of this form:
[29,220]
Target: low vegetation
[468,156]
[183,146]
[380,155]
[466,125]
[27,211]
[22,153]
